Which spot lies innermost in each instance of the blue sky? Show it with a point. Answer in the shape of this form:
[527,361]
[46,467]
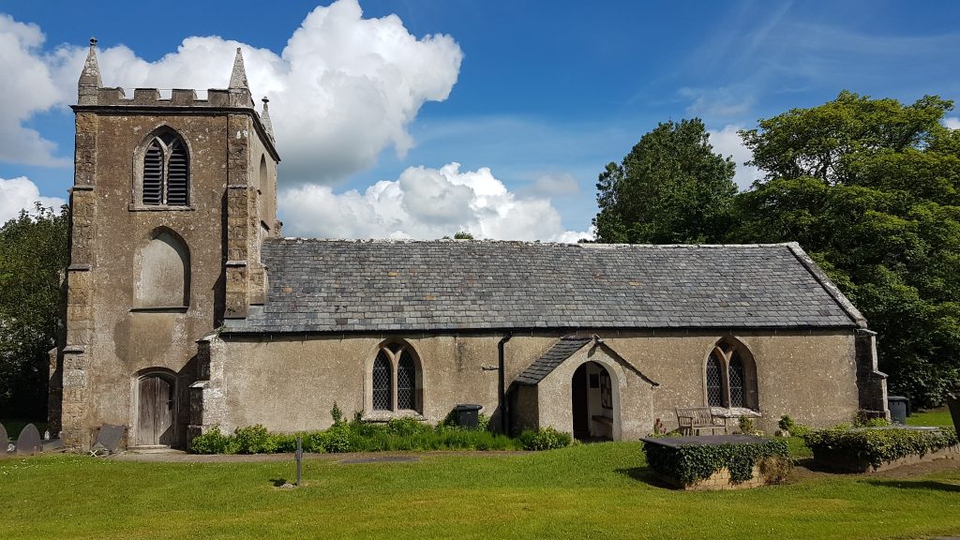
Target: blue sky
[531,99]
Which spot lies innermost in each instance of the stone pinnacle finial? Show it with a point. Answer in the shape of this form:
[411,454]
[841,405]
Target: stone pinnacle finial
[265,118]
[89,77]
[238,78]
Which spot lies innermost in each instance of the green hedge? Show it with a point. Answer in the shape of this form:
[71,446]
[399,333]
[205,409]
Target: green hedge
[402,434]
[876,446]
[691,463]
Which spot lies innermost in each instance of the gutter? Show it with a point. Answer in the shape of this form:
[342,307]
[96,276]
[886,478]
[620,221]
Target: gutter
[501,383]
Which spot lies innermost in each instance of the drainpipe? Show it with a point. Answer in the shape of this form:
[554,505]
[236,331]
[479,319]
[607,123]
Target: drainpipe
[501,383]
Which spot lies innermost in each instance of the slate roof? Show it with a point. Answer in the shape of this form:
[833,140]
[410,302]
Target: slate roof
[361,286]
[560,351]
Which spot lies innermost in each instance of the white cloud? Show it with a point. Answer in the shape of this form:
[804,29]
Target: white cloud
[26,89]
[952,122]
[19,194]
[424,203]
[555,185]
[719,102]
[728,143]
[342,90]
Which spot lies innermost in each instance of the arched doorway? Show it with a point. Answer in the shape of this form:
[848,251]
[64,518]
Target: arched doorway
[156,409]
[592,402]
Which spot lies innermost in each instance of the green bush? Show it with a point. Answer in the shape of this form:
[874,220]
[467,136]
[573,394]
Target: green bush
[254,440]
[211,442]
[797,430]
[876,446]
[547,438]
[692,463]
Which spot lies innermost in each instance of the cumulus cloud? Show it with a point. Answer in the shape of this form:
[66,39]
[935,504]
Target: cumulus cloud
[19,194]
[27,88]
[728,143]
[952,122]
[342,90]
[424,203]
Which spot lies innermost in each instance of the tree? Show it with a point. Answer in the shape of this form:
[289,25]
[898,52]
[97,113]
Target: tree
[671,188]
[870,189]
[33,255]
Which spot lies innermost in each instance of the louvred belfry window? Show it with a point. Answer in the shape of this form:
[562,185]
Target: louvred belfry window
[166,172]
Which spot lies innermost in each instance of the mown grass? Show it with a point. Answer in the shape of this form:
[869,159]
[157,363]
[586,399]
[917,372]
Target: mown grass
[933,417]
[589,491]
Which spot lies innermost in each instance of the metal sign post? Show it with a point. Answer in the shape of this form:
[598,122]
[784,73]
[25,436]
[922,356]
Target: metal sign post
[299,459]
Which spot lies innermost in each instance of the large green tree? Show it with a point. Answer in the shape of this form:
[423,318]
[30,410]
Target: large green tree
[671,188]
[869,187]
[33,256]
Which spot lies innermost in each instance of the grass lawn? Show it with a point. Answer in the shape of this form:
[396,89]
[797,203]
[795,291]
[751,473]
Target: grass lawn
[590,491]
[933,417]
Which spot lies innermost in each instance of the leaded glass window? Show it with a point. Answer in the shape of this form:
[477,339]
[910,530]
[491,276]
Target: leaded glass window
[396,379]
[714,382]
[736,381]
[382,383]
[406,382]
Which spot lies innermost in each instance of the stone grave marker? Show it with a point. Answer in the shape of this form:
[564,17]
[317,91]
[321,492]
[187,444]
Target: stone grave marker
[28,443]
[3,441]
[109,438]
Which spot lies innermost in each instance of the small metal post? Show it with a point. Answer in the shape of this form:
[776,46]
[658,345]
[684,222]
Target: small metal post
[299,459]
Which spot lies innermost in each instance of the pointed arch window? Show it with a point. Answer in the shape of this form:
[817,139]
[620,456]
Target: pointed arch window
[166,171]
[730,377]
[396,379]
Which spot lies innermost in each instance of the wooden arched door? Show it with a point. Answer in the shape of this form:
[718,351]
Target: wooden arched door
[156,394]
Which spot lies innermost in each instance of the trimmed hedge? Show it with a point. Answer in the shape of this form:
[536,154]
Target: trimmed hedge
[400,434]
[876,446]
[694,462]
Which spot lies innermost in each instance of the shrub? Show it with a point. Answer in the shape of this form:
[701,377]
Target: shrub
[746,425]
[862,420]
[694,462]
[336,414]
[211,442]
[547,438]
[787,424]
[254,440]
[876,446]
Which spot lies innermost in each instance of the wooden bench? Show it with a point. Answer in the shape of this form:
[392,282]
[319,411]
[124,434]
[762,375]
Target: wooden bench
[694,420]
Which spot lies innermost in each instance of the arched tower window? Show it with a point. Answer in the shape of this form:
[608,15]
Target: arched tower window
[166,171]
[396,367]
[731,376]
[164,272]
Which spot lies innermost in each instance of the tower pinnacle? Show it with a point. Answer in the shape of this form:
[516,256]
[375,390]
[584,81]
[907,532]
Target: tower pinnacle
[89,77]
[265,119]
[238,78]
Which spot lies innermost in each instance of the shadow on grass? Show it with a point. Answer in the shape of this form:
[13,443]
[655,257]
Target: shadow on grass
[645,475]
[931,485]
[278,482]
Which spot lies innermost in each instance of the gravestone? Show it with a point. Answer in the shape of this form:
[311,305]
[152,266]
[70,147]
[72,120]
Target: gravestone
[28,443]
[109,438]
[3,440]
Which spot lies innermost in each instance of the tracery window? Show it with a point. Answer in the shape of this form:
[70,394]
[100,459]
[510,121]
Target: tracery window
[730,376]
[166,171]
[396,367]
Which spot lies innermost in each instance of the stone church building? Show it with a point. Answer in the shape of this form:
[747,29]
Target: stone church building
[187,309]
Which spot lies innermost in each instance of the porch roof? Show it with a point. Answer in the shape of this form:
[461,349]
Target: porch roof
[543,366]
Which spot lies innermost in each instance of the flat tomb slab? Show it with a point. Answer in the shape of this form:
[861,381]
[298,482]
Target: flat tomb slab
[665,456]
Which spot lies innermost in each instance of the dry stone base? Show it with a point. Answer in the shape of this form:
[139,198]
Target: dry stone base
[720,480]
[843,464]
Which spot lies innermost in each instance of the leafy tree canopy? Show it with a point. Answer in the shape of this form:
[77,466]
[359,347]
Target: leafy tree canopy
[869,188]
[671,188]
[33,254]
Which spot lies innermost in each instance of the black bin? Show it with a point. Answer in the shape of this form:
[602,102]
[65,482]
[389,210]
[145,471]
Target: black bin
[467,415]
[899,409]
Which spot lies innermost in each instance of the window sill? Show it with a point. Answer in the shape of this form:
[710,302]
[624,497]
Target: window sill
[386,416]
[158,208]
[734,412]
[160,309]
